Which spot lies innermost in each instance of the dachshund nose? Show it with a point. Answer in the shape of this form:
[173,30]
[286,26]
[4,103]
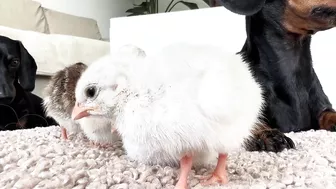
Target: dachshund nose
[6,94]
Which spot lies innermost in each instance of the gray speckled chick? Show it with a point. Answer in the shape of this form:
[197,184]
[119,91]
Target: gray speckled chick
[59,97]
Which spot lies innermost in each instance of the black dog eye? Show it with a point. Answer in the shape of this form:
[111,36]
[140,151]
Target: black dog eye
[90,92]
[15,63]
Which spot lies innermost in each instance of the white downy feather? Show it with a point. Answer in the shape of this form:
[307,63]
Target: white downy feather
[98,130]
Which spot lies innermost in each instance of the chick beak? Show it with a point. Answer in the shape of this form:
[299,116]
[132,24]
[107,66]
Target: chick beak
[79,112]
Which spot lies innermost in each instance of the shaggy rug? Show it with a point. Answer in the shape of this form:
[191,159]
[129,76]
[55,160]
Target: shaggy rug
[38,158]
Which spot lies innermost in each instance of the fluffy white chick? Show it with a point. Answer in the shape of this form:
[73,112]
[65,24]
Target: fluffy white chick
[163,111]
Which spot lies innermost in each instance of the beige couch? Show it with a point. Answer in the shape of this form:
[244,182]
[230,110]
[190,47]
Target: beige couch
[54,39]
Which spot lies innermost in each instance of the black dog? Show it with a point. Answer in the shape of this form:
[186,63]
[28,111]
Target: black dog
[278,51]
[19,108]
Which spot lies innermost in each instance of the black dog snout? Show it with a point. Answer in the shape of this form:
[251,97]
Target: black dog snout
[324,12]
[7,94]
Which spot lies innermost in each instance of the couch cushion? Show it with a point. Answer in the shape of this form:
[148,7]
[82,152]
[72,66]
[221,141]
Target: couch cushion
[61,23]
[53,52]
[23,14]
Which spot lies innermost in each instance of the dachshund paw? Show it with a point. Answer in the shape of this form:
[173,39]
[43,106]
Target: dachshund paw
[328,121]
[269,140]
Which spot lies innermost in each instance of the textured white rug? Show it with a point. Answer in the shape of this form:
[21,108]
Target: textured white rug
[37,158]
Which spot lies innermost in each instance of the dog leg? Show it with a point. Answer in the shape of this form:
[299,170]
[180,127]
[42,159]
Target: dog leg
[327,121]
[265,138]
[321,106]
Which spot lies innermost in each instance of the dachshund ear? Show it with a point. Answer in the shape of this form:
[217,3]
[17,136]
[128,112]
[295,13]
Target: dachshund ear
[27,70]
[244,7]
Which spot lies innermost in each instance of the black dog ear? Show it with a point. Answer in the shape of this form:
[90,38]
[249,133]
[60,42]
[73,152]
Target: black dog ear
[27,70]
[244,7]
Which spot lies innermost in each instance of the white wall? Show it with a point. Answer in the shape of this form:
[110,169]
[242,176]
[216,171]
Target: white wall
[163,4]
[100,10]
[151,32]
[323,53]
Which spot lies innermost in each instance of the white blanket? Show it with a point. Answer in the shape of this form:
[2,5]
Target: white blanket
[38,158]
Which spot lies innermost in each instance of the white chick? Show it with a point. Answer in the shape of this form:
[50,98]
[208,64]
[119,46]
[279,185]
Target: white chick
[164,112]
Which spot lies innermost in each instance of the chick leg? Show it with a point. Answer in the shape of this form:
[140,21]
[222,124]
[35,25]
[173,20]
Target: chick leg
[185,168]
[220,174]
[64,134]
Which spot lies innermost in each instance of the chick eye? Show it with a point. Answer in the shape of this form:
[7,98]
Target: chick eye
[91,92]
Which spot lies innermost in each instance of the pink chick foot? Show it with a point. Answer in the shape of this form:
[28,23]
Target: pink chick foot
[185,168]
[64,134]
[219,175]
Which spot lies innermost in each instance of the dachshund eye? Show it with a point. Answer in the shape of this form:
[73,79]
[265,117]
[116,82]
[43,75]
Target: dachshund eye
[91,92]
[15,63]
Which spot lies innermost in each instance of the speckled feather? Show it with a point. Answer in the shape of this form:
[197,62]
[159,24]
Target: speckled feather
[60,94]
[61,88]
